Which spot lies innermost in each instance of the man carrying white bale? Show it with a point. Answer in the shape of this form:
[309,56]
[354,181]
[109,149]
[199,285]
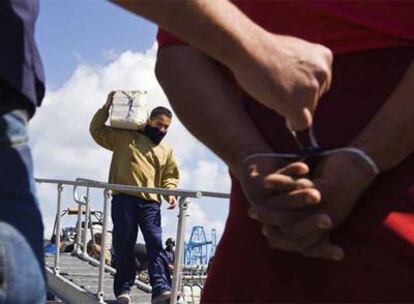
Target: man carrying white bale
[140,158]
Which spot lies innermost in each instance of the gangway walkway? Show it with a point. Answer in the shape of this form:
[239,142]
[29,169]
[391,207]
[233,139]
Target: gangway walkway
[85,279]
[78,278]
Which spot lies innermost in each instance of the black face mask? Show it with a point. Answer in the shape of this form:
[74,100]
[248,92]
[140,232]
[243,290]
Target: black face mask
[153,133]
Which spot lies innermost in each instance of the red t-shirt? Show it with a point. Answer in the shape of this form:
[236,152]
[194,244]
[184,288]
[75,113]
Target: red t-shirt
[343,26]
[378,236]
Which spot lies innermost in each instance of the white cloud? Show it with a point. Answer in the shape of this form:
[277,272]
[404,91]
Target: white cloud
[212,176]
[63,148]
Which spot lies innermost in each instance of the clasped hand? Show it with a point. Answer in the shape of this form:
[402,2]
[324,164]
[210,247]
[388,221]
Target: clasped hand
[298,212]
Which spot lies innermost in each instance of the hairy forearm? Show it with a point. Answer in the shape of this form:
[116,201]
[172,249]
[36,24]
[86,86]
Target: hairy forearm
[208,104]
[216,27]
[388,138]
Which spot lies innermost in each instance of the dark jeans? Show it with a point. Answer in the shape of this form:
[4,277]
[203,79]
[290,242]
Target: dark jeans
[129,212]
[19,209]
[21,278]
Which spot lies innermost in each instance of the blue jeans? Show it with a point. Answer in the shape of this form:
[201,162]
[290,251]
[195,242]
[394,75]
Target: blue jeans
[129,212]
[21,279]
[22,244]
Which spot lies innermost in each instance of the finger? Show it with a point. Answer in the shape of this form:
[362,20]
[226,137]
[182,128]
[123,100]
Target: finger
[315,224]
[276,233]
[279,183]
[322,77]
[277,240]
[327,84]
[296,199]
[324,249]
[311,101]
[274,218]
[330,59]
[321,84]
[315,99]
[324,74]
[302,119]
[295,169]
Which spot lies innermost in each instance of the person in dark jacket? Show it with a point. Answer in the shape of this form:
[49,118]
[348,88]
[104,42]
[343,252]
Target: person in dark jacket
[169,249]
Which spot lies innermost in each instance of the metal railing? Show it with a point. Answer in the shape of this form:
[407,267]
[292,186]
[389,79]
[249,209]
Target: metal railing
[84,208]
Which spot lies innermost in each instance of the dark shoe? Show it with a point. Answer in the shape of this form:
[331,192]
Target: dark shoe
[123,298]
[162,298]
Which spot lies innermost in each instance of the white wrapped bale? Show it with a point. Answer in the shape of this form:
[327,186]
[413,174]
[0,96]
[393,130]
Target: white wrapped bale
[129,110]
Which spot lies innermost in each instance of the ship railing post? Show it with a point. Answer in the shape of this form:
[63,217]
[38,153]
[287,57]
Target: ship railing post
[77,246]
[58,228]
[86,224]
[182,218]
[107,197]
[77,250]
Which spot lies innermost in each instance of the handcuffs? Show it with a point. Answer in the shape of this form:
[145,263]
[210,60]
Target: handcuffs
[311,153]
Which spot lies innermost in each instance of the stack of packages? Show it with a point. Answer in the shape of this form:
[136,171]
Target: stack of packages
[129,110]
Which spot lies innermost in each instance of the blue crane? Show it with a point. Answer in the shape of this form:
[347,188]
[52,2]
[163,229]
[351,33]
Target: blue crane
[199,249]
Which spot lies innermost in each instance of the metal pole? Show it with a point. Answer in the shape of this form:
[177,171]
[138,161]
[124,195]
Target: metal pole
[80,201]
[86,223]
[54,228]
[91,228]
[107,196]
[57,239]
[128,188]
[77,246]
[179,249]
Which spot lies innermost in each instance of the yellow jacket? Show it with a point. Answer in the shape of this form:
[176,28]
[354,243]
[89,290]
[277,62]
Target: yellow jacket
[136,160]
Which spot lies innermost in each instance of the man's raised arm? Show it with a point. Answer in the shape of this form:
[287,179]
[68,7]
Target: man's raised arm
[102,134]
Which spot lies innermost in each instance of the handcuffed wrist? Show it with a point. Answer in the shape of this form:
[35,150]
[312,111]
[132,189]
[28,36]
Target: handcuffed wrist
[269,155]
[363,155]
[357,151]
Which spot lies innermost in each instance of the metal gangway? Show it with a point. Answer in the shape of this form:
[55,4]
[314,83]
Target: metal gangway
[63,283]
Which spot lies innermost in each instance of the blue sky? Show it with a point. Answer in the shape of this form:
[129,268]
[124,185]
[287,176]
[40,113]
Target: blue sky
[71,31]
